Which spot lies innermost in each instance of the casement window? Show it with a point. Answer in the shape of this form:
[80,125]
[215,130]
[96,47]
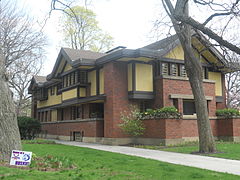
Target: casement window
[96,110]
[143,106]
[183,72]
[80,111]
[59,87]
[189,107]
[73,112]
[165,69]
[42,117]
[205,72]
[42,94]
[74,77]
[173,69]
[82,77]
[52,90]
[46,116]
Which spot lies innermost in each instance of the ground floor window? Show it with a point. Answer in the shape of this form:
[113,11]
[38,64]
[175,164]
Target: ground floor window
[144,105]
[96,110]
[189,107]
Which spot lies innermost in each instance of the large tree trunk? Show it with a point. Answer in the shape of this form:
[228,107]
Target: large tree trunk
[206,140]
[194,72]
[9,132]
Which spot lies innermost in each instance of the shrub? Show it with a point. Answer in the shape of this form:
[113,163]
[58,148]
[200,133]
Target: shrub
[28,127]
[227,113]
[132,123]
[165,112]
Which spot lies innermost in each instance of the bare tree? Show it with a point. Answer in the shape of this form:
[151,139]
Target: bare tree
[183,24]
[23,47]
[20,75]
[233,89]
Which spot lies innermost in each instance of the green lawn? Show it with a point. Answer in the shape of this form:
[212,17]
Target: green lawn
[226,150]
[100,165]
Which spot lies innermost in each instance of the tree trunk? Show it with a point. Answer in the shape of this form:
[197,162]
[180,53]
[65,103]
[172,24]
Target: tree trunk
[194,71]
[206,140]
[9,132]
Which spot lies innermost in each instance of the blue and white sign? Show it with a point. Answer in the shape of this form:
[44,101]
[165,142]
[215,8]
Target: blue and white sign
[20,158]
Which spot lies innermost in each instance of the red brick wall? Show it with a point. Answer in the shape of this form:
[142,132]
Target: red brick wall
[172,86]
[155,128]
[116,91]
[229,127]
[90,128]
[178,128]
[158,89]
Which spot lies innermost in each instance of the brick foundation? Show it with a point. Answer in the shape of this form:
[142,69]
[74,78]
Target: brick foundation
[91,128]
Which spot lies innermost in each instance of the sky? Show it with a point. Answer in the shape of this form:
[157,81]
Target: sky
[129,22]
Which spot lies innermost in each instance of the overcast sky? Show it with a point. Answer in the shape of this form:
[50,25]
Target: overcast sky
[129,22]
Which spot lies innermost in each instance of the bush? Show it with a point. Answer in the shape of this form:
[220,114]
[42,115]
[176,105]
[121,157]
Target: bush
[28,127]
[227,113]
[165,112]
[132,123]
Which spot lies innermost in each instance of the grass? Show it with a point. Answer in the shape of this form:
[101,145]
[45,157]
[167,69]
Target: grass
[228,150]
[94,164]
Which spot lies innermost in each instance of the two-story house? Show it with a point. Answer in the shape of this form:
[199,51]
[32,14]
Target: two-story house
[86,92]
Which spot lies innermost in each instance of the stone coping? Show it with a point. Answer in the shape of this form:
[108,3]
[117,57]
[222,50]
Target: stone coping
[185,78]
[193,117]
[73,121]
[185,96]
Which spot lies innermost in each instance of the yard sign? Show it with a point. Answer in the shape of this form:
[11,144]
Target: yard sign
[20,158]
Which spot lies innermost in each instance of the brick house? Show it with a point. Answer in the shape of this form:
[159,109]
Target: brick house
[84,95]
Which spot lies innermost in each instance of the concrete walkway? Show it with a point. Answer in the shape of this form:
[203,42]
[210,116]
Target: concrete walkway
[203,162]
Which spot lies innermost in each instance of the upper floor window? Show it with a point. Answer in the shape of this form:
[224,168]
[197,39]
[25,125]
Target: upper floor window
[42,94]
[182,72]
[52,90]
[165,69]
[174,69]
[83,77]
[177,69]
[74,78]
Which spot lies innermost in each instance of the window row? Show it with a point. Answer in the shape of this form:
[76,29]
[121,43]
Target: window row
[74,78]
[176,69]
[42,94]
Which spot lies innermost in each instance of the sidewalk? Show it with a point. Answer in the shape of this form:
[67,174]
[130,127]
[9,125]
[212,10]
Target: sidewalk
[203,162]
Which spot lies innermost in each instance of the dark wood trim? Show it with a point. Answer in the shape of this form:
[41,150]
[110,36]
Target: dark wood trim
[69,100]
[68,72]
[206,73]
[73,101]
[139,62]
[133,76]
[178,61]
[73,86]
[201,54]
[78,90]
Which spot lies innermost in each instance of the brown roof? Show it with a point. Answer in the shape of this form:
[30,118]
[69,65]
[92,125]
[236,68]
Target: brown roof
[40,79]
[162,44]
[76,54]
